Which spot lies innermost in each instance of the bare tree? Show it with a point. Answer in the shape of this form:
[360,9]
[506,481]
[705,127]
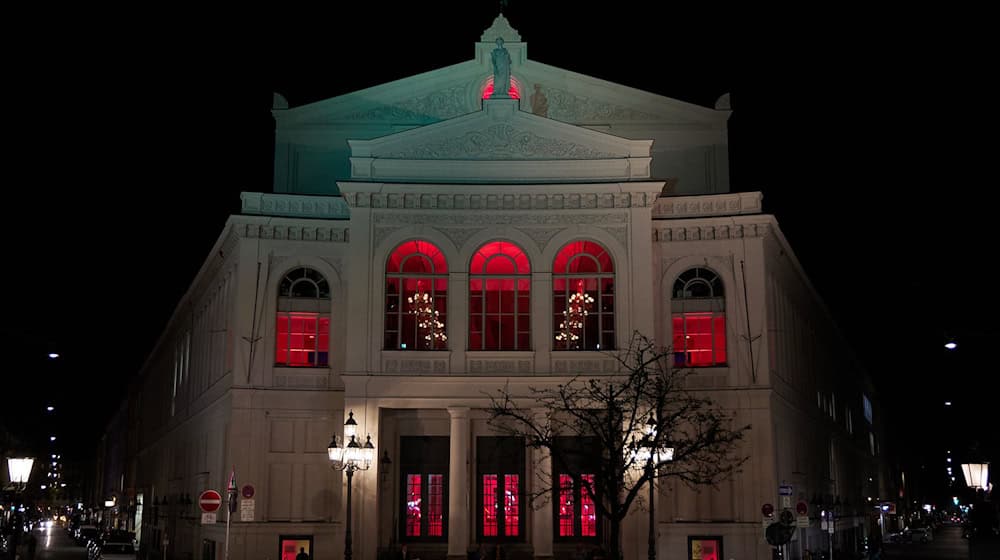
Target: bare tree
[622,417]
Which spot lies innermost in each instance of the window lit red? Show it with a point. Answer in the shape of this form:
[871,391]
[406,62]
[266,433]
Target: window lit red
[302,339]
[489,505]
[699,339]
[416,270]
[435,506]
[413,505]
[499,298]
[302,322]
[583,297]
[588,517]
[566,506]
[698,319]
[511,506]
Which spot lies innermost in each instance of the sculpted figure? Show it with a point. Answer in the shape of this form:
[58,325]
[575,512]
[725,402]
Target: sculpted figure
[539,103]
[501,71]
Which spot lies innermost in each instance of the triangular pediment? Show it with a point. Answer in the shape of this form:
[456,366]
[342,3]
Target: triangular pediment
[500,143]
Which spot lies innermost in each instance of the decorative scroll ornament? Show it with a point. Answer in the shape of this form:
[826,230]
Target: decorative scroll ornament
[428,321]
[577,309]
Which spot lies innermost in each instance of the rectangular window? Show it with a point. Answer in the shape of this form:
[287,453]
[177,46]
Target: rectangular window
[867,404]
[588,517]
[489,505]
[699,339]
[500,467]
[303,339]
[414,497]
[511,507]
[566,506]
[290,546]
[705,548]
[435,511]
[423,469]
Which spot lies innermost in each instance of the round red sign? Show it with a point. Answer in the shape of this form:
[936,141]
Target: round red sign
[802,508]
[767,510]
[210,500]
[248,491]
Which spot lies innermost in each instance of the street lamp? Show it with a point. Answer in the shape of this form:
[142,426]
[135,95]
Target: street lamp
[19,469]
[976,475]
[354,457]
[653,453]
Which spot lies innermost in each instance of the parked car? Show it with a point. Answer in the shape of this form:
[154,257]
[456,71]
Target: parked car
[893,537]
[116,551]
[920,534]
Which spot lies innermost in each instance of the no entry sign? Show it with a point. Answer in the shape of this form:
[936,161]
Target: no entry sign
[210,500]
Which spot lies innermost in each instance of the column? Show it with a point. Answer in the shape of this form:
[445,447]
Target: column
[541,518]
[459,512]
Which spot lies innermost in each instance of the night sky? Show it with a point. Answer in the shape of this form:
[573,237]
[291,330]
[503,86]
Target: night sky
[128,147]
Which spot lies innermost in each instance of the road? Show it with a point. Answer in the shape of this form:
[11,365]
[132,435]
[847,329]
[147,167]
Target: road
[54,543]
[948,544]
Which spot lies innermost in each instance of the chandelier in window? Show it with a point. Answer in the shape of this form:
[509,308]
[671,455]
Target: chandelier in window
[577,309]
[428,321]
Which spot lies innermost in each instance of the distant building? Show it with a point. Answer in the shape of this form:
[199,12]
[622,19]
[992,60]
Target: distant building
[497,210]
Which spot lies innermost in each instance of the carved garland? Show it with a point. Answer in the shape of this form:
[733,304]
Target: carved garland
[502,142]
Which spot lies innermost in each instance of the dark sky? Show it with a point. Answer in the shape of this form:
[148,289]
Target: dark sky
[128,146]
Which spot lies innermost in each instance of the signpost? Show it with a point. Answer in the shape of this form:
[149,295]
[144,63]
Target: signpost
[209,501]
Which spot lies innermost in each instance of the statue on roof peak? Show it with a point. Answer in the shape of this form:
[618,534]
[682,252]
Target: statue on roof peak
[501,70]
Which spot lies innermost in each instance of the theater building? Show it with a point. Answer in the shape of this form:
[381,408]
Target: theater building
[417,253]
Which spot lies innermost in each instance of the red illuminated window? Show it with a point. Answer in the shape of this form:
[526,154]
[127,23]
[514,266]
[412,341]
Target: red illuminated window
[583,297]
[500,467]
[414,505]
[416,296]
[576,514]
[302,325]
[698,319]
[423,501]
[499,298]
[705,548]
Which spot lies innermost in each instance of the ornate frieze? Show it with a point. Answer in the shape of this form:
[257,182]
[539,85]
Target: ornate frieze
[587,366]
[502,142]
[301,381]
[293,232]
[501,201]
[541,236]
[295,206]
[710,232]
[401,219]
[439,105]
[564,106]
[708,205]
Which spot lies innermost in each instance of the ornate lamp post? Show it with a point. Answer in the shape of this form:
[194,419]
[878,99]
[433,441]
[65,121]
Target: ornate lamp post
[354,457]
[654,453]
[977,475]
[19,469]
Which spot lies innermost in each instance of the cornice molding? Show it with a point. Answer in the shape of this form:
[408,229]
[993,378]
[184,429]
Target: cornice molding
[710,232]
[295,206]
[293,232]
[726,204]
[501,201]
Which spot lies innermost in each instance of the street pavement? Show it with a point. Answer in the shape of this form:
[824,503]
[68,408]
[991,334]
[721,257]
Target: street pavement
[948,544]
[54,543]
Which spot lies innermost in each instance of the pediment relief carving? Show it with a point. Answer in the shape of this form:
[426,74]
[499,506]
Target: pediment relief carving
[564,106]
[438,105]
[500,142]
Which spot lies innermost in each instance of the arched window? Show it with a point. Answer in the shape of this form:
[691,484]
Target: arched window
[499,298]
[583,297]
[303,323]
[699,319]
[416,297]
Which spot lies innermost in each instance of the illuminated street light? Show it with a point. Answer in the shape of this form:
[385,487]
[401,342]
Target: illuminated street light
[951,346]
[50,408]
[947,403]
[976,475]
[52,438]
[53,355]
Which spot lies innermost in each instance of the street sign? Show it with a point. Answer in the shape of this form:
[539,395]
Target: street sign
[210,500]
[786,517]
[248,491]
[247,510]
[207,518]
[802,508]
[785,490]
[802,521]
[786,501]
[767,510]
